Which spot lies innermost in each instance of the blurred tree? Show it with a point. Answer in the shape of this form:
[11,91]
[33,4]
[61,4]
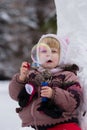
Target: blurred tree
[22,22]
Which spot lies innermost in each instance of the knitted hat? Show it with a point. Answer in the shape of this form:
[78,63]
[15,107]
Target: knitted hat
[63,45]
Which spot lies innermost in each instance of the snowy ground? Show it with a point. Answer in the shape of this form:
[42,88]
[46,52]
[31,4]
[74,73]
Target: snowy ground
[9,119]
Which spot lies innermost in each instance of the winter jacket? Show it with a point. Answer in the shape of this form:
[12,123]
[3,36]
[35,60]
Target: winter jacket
[66,97]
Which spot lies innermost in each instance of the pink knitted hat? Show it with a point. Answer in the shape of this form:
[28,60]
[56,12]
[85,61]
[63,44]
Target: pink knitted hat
[63,45]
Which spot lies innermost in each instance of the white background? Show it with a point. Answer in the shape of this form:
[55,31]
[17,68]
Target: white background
[9,119]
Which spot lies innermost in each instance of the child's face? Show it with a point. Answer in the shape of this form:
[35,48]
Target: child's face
[52,58]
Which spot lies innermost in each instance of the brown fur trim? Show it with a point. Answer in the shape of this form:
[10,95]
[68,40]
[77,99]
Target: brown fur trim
[73,68]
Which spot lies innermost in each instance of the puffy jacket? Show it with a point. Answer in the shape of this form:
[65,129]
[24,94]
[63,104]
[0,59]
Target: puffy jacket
[67,96]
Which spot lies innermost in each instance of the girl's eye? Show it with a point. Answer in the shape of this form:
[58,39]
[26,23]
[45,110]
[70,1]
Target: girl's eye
[43,51]
[54,51]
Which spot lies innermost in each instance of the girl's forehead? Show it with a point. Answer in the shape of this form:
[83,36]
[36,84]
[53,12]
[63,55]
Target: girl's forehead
[54,45]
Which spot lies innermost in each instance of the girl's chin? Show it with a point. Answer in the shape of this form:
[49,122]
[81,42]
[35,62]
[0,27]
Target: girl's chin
[48,66]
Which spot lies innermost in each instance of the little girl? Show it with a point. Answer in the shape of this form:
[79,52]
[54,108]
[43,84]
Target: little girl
[63,92]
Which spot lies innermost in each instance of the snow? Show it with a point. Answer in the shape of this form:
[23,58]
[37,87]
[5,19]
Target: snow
[72,23]
[9,118]
[71,19]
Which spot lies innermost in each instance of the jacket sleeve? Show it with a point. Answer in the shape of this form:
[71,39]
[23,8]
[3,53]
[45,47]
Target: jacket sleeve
[70,98]
[15,86]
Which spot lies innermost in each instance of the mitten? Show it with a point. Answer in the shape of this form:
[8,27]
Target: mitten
[26,95]
[51,109]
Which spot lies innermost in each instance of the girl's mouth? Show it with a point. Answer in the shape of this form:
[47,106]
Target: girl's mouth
[49,61]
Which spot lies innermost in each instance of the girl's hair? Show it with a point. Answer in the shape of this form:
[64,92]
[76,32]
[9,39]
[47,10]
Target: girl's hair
[51,42]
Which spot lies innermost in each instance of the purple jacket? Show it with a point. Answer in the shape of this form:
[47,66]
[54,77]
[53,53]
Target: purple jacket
[67,98]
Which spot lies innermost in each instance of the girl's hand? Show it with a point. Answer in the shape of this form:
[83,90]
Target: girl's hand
[24,71]
[46,91]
